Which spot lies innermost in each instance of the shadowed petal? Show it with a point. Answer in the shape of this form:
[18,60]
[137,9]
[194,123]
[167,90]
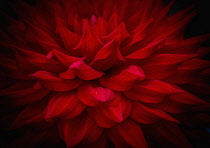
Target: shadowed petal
[64,104]
[122,79]
[79,129]
[81,70]
[93,95]
[108,116]
[63,58]
[146,51]
[52,82]
[89,44]
[129,132]
[149,115]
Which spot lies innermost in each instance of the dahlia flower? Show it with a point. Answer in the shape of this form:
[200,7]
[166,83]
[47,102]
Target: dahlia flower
[102,73]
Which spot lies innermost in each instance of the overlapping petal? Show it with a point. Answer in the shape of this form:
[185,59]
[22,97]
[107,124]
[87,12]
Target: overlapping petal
[103,73]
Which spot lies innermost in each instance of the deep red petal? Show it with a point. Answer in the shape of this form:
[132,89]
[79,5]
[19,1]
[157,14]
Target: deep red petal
[148,115]
[89,44]
[52,82]
[122,79]
[65,59]
[62,104]
[130,132]
[81,70]
[79,129]
[146,51]
[92,95]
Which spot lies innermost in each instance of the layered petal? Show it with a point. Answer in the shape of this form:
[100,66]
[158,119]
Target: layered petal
[89,44]
[146,51]
[127,133]
[79,129]
[62,105]
[41,61]
[93,95]
[70,39]
[65,59]
[108,56]
[120,33]
[52,82]
[81,70]
[31,114]
[108,116]
[123,79]
[148,115]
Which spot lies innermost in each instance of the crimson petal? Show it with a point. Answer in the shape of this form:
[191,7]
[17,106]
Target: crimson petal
[32,114]
[41,61]
[36,35]
[159,86]
[79,129]
[63,58]
[52,82]
[81,70]
[122,79]
[92,95]
[130,132]
[108,116]
[146,51]
[89,44]
[120,33]
[62,104]
[69,38]
[148,115]
[107,56]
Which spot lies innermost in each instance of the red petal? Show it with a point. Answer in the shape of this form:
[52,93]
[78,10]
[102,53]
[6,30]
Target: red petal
[80,129]
[41,61]
[116,139]
[172,133]
[52,82]
[108,116]
[114,21]
[148,115]
[101,142]
[122,79]
[139,33]
[36,35]
[171,106]
[107,56]
[89,44]
[120,112]
[31,98]
[69,38]
[130,132]
[156,72]
[165,59]
[120,33]
[159,86]
[187,46]
[62,104]
[194,64]
[100,118]
[92,95]
[100,27]
[32,114]
[144,95]
[81,70]
[64,58]
[187,98]
[146,51]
